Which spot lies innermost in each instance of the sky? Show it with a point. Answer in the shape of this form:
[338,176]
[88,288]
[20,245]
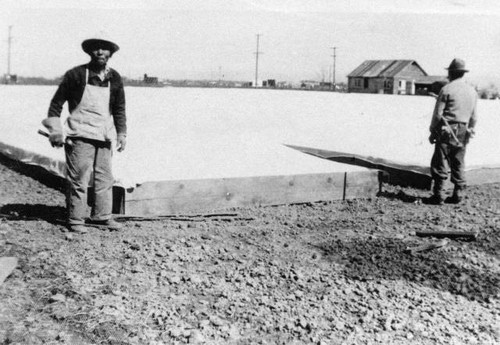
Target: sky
[216,39]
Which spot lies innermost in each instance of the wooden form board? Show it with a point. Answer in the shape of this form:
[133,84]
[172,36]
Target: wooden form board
[402,174]
[395,173]
[192,196]
[56,168]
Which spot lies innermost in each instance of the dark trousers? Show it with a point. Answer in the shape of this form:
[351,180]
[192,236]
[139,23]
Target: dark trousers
[449,155]
[88,162]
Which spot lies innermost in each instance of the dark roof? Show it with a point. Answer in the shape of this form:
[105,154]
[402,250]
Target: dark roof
[382,68]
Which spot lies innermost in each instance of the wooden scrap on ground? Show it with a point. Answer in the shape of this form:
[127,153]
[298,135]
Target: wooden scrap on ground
[469,235]
[426,247]
[7,265]
[204,215]
[227,217]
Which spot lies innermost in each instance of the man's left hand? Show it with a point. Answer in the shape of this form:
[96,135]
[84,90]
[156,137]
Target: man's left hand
[432,138]
[469,135]
[121,142]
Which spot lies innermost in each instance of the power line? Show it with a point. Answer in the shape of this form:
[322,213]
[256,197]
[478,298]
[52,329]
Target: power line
[257,53]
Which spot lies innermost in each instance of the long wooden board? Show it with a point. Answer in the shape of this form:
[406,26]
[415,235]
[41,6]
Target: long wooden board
[181,197]
[395,173]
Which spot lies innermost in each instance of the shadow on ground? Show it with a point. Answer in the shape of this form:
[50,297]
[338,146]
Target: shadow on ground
[400,195]
[382,258]
[51,214]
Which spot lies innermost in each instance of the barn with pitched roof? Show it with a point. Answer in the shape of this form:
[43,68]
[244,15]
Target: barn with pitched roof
[403,77]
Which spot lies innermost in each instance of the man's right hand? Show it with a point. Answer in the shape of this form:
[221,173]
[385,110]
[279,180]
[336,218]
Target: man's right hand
[56,139]
[469,135]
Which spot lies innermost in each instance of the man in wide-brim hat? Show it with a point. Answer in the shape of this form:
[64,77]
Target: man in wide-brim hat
[457,65]
[452,126]
[96,102]
[89,44]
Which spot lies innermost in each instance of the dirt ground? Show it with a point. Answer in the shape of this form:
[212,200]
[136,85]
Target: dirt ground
[320,273]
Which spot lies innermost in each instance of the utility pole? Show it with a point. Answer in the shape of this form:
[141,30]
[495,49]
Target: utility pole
[9,41]
[257,53]
[334,62]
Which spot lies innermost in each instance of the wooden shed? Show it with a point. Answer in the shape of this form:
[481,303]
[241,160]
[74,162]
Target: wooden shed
[403,77]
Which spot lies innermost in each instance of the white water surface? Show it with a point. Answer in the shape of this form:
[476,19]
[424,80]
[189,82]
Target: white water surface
[199,133]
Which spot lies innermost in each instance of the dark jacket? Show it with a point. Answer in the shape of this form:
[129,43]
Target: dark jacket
[71,90]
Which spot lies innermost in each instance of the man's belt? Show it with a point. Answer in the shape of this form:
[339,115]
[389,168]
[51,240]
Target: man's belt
[452,132]
[454,122]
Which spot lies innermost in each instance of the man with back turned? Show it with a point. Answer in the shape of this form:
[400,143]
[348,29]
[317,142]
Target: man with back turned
[96,102]
[452,125]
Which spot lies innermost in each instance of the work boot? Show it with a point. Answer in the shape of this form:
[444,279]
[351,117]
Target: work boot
[437,196]
[106,224]
[434,199]
[457,195]
[78,228]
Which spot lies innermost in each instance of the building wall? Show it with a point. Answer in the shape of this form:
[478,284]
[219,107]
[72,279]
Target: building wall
[369,85]
[351,84]
[411,71]
[402,84]
[358,85]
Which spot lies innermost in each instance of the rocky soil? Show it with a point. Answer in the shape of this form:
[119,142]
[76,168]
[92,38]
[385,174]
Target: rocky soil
[321,273]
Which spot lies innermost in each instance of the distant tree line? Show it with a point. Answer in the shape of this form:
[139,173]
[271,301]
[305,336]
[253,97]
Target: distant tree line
[19,80]
[489,92]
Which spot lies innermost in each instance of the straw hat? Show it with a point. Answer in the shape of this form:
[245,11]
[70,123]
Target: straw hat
[90,43]
[457,65]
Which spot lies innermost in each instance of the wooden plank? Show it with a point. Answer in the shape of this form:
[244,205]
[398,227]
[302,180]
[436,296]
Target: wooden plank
[7,265]
[54,167]
[426,247]
[174,197]
[400,174]
[361,184]
[470,235]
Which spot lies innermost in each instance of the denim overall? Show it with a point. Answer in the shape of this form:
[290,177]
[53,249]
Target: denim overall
[90,130]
